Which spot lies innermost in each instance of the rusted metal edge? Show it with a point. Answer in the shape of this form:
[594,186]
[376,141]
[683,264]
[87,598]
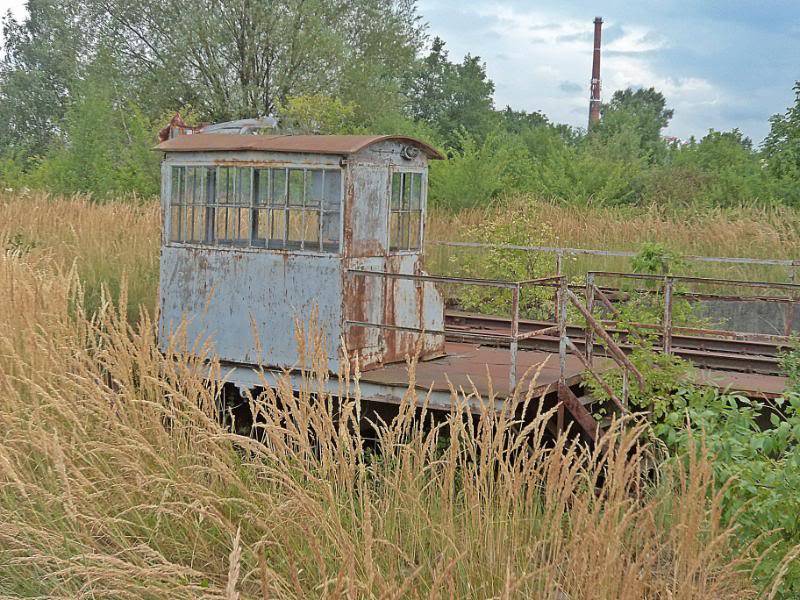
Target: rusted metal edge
[582,416]
[574,349]
[343,145]
[612,345]
[537,333]
[707,280]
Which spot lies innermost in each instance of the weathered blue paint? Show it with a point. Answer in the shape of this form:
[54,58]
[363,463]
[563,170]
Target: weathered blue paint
[247,302]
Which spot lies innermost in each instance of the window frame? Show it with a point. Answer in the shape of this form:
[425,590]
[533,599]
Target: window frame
[423,208]
[253,166]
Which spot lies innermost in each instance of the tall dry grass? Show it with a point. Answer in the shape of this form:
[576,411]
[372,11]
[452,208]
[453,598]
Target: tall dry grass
[118,481]
[746,231]
[120,240]
[749,232]
[106,242]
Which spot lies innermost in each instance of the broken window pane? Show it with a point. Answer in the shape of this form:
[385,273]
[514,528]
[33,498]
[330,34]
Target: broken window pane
[406,190]
[277,235]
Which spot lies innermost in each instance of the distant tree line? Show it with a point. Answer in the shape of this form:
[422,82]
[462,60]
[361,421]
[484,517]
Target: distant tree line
[85,84]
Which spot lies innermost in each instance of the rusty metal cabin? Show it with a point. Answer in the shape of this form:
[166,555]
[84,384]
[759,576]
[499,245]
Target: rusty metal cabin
[262,231]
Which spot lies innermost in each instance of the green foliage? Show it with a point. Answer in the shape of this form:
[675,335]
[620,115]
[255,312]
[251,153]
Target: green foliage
[106,146]
[591,171]
[648,306]
[656,259]
[317,114]
[722,170]
[638,116]
[452,98]
[757,468]
[479,171]
[782,150]
[517,227]
[790,365]
[39,64]
[663,375]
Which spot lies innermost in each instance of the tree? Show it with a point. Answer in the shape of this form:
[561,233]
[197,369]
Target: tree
[451,97]
[638,114]
[104,146]
[316,114]
[225,58]
[782,145]
[235,58]
[41,60]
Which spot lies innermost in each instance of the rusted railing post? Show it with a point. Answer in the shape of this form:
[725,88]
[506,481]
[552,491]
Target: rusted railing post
[589,335]
[791,307]
[625,387]
[559,267]
[512,376]
[562,349]
[667,323]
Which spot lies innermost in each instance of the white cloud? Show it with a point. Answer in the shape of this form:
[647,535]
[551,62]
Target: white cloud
[17,7]
[543,49]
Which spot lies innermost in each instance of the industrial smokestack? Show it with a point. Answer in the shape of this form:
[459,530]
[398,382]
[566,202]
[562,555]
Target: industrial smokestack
[594,97]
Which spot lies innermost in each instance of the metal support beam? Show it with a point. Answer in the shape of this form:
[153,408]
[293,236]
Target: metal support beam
[590,307]
[512,376]
[667,322]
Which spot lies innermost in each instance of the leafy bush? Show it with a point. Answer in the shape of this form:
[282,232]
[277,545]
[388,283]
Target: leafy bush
[790,364]
[517,226]
[317,114]
[479,172]
[757,469]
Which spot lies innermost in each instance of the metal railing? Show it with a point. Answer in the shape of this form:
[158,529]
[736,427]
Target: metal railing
[513,338]
[672,287]
[564,297]
[567,297]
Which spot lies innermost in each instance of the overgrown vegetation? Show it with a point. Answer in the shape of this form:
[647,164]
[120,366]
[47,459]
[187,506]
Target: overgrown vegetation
[118,481]
[100,498]
[85,84]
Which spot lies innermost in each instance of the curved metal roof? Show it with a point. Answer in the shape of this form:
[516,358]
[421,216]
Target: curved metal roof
[302,144]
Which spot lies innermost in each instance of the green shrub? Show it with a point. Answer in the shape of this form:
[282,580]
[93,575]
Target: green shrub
[518,227]
[479,172]
[757,469]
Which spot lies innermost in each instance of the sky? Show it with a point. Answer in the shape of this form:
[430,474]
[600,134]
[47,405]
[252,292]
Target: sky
[720,63]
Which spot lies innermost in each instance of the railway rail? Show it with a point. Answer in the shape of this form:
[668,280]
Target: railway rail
[740,352]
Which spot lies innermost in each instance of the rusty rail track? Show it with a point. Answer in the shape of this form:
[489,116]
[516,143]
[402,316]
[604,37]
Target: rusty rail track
[742,353]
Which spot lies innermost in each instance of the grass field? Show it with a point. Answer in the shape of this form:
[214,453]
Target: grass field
[745,232]
[117,481]
[105,241]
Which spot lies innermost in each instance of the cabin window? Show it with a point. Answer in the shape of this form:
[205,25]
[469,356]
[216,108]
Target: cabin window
[405,212]
[233,210]
[281,208]
[192,193]
[298,209]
